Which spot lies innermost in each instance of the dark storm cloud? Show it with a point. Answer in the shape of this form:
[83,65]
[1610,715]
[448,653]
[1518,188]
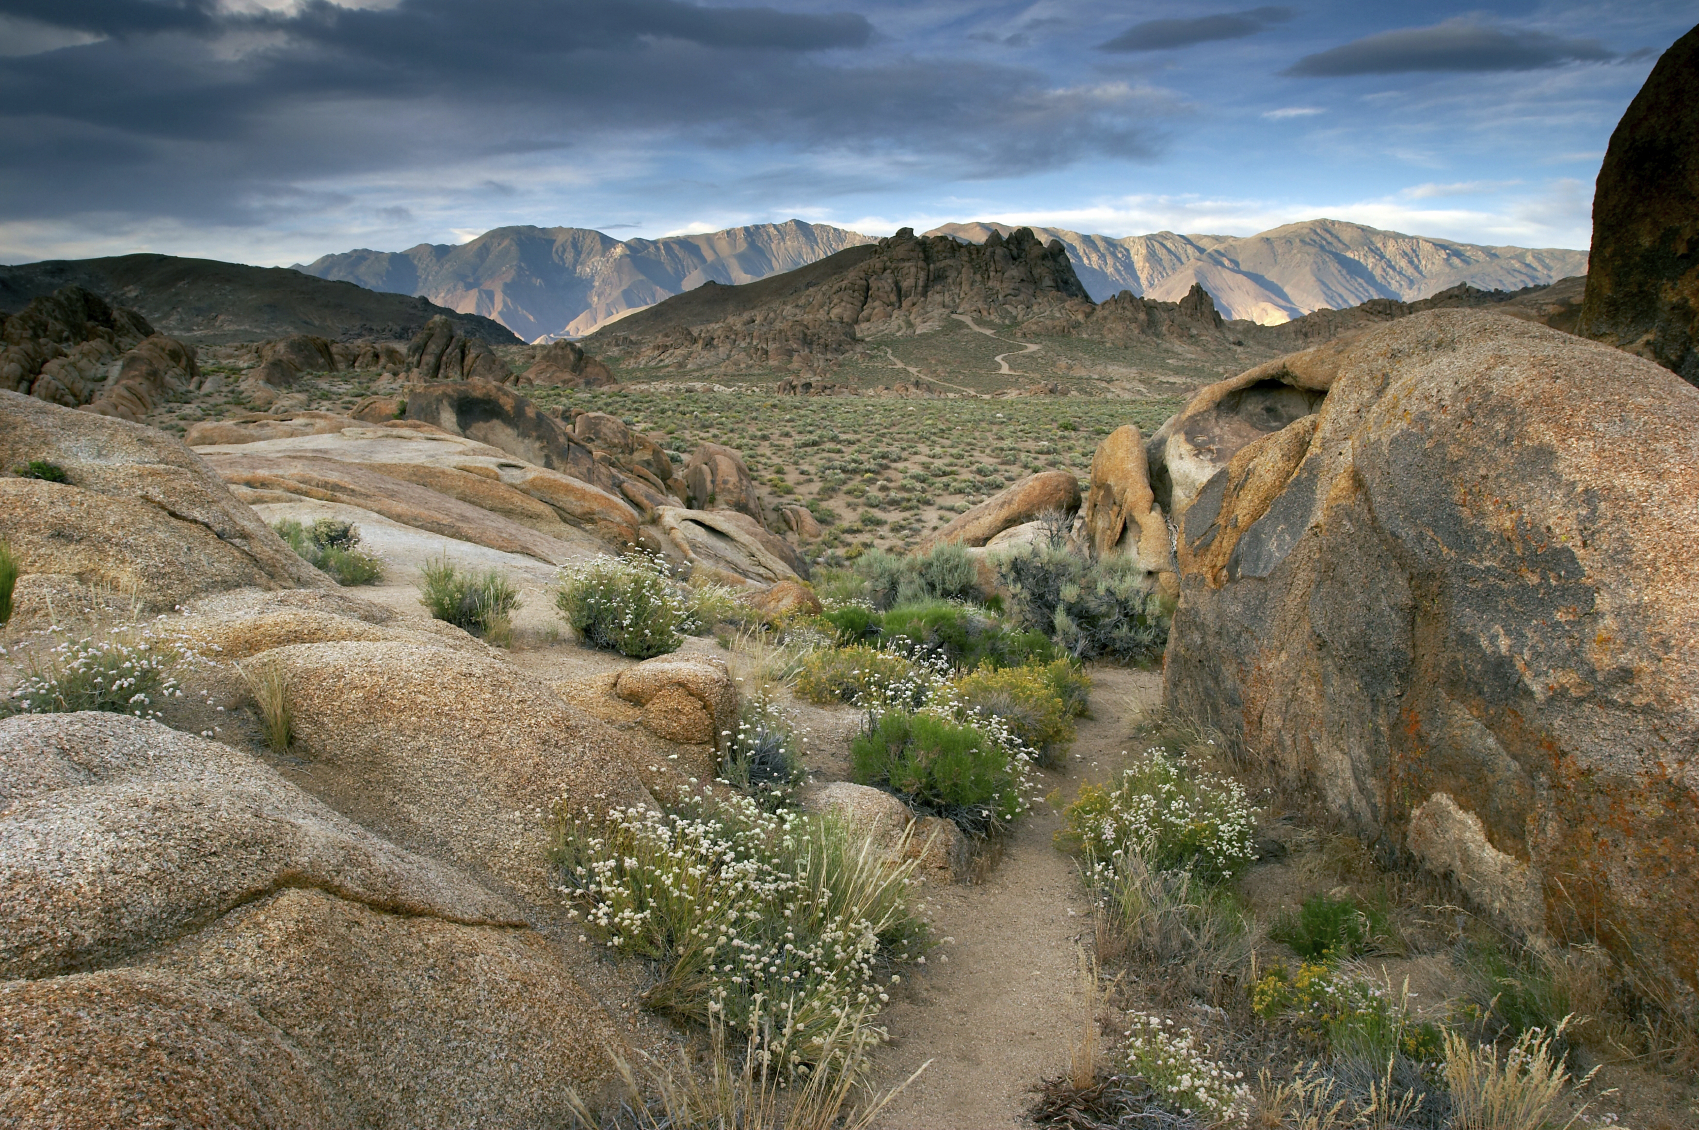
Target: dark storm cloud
[187,111]
[1165,35]
[1456,45]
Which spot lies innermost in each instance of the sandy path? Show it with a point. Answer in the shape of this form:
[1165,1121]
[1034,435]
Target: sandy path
[1000,1013]
[1002,365]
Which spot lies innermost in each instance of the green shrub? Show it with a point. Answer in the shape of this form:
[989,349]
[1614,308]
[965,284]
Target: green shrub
[942,767]
[1169,813]
[626,604]
[1351,1016]
[1090,609]
[332,546]
[854,674]
[8,581]
[467,600]
[962,637]
[1181,1072]
[945,573]
[40,469]
[1025,699]
[1071,684]
[130,673]
[1510,990]
[774,923]
[1330,927]
[854,623]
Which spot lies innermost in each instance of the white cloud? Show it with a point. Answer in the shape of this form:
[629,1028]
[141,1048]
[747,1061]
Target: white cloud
[1285,112]
[1432,191]
[20,35]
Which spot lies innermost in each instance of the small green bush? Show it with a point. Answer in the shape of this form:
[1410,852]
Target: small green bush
[1091,609]
[1330,927]
[40,469]
[1071,684]
[961,637]
[1513,990]
[945,768]
[945,573]
[853,674]
[8,581]
[626,604]
[855,623]
[1171,814]
[467,600]
[332,546]
[1026,701]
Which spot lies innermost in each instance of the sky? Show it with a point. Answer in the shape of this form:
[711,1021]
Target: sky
[274,131]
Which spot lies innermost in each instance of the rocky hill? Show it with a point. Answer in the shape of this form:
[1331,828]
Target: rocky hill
[545,283]
[905,285]
[1290,271]
[213,303]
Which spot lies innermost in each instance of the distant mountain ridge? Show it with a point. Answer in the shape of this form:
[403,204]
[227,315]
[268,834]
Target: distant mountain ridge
[1289,271]
[545,283]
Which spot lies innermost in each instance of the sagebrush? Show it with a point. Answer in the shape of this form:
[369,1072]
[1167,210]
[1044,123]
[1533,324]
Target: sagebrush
[628,604]
[475,602]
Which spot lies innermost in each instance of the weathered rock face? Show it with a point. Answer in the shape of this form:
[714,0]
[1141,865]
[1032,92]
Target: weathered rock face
[1643,277]
[1457,601]
[140,513]
[1015,504]
[70,348]
[1121,515]
[181,921]
[441,353]
[689,699]
[783,600]
[565,364]
[144,375]
[731,543]
[1195,443]
[717,479]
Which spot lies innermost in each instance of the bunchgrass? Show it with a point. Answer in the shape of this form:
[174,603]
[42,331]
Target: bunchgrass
[269,684]
[8,581]
[763,753]
[1197,936]
[467,599]
[1521,1090]
[1326,926]
[627,604]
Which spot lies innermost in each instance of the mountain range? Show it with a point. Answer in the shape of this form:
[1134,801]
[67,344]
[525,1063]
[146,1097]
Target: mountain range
[547,283]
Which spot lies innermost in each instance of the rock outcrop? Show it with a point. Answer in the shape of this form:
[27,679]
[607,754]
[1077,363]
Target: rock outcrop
[565,364]
[1128,318]
[1121,515]
[716,478]
[71,348]
[442,352]
[730,543]
[903,285]
[139,513]
[1454,601]
[1643,278]
[181,922]
[1016,504]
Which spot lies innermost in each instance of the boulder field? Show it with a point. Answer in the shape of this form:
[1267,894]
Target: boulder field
[1456,600]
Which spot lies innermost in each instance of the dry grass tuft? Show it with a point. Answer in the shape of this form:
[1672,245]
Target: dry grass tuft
[1518,1092]
[269,684]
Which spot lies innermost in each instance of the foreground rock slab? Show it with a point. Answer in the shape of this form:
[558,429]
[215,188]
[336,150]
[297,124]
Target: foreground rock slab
[1458,601]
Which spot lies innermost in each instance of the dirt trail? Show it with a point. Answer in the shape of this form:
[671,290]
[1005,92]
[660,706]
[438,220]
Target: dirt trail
[1000,1012]
[1002,365]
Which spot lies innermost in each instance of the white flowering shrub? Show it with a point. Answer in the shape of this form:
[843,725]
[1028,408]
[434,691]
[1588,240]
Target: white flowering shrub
[763,755]
[627,604]
[131,672]
[1172,814]
[1182,1074]
[778,923]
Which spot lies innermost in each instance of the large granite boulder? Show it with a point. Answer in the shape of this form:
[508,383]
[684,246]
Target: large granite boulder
[194,941]
[70,336]
[1643,273]
[1220,419]
[717,479]
[440,352]
[1121,515]
[1016,504]
[156,366]
[566,365]
[139,513]
[1458,602]
[730,543]
[451,752]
